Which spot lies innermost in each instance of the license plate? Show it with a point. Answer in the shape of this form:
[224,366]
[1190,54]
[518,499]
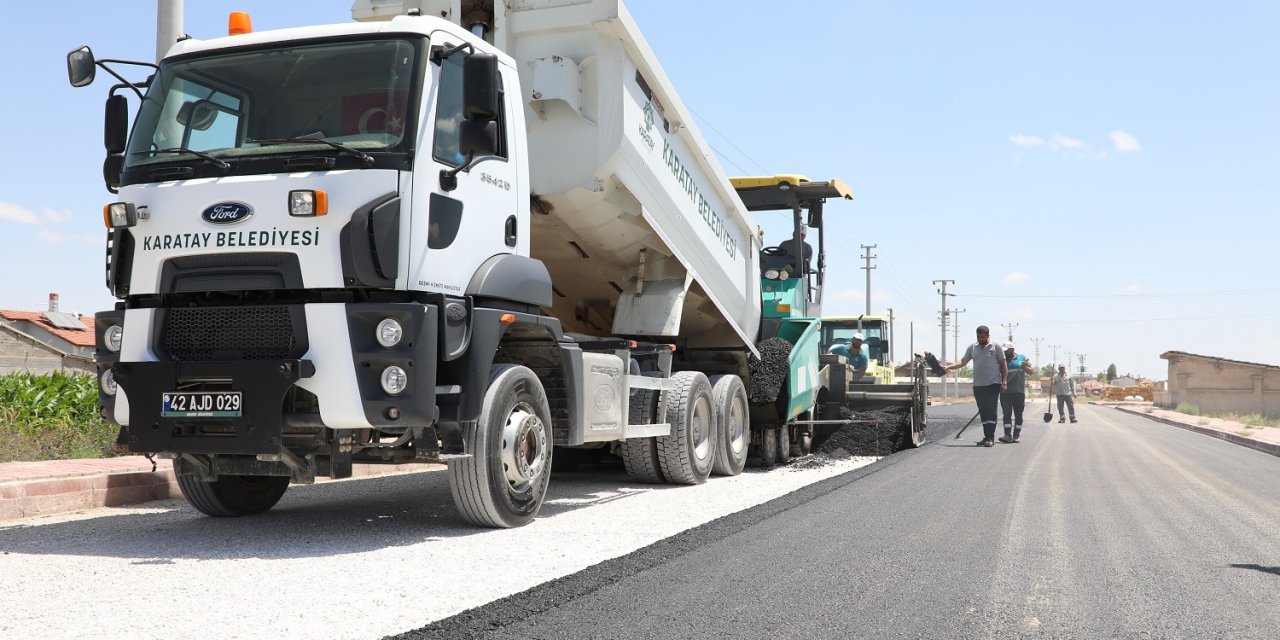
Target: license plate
[201,404]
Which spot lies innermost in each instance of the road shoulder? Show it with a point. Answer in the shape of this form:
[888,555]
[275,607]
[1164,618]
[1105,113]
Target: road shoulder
[1264,439]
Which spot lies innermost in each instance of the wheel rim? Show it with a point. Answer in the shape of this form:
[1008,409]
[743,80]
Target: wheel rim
[524,448]
[700,428]
[736,427]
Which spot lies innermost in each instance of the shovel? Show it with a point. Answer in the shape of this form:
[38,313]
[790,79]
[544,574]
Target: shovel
[1048,409]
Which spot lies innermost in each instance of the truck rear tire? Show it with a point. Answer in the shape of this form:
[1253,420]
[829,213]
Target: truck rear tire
[768,448]
[733,433]
[784,444]
[640,455]
[504,482]
[687,455]
[233,496]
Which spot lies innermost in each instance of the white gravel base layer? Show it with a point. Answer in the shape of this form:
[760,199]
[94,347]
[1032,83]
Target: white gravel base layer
[356,559]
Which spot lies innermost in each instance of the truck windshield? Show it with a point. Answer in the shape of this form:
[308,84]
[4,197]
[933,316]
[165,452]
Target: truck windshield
[355,94]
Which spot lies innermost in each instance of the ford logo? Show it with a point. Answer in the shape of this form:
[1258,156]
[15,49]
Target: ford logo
[227,213]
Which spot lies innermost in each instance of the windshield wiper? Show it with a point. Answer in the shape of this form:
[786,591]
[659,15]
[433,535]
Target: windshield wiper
[364,157]
[221,164]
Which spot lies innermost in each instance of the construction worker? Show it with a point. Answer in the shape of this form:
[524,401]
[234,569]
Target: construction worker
[858,354]
[1014,397]
[1065,388]
[789,246]
[990,377]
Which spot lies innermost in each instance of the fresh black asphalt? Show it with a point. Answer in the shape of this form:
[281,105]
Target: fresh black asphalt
[1116,527]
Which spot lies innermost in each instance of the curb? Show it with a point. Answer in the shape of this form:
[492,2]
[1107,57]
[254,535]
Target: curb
[54,490]
[1257,445]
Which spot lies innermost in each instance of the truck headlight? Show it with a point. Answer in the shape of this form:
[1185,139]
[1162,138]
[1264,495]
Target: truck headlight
[389,332]
[119,214]
[394,380]
[108,382]
[113,336]
[305,204]
[771,274]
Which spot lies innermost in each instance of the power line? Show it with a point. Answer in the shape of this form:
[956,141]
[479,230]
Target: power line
[1123,320]
[1128,295]
[726,139]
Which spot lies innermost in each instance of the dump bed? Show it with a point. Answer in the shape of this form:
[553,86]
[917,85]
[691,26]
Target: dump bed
[634,218]
[639,221]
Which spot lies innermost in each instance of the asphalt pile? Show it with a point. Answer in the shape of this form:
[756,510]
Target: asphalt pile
[769,370]
[887,436]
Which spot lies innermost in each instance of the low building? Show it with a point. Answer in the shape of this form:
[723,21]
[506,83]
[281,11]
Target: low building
[45,341]
[1220,385]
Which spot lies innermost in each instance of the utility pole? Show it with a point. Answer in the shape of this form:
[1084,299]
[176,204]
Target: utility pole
[892,338]
[1070,364]
[1054,348]
[1009,328]
[955,345]
[943,291]
[1037,342]
[867,250]
[1082,357]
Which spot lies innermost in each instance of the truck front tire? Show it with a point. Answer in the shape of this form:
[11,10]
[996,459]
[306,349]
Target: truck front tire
[233,496]
[504,482]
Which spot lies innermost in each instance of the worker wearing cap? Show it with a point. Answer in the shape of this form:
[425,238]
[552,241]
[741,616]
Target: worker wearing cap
[1014,397]
[858,354]
[1065,388]
[990,375]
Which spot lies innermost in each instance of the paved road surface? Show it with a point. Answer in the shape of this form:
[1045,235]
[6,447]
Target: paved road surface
[1116,527]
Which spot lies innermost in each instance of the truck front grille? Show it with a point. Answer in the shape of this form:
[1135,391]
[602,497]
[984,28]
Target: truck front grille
[231,333]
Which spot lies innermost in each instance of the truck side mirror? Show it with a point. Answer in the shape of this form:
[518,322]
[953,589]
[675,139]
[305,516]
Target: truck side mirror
[115,129]
[478,138]
[81,67]
[111,168]
[480,87]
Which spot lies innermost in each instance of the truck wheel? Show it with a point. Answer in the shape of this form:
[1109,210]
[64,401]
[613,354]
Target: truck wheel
[729,396]
[640,455]
[784,444]
[233,496]
[768,448]
[687,455]
[503,483]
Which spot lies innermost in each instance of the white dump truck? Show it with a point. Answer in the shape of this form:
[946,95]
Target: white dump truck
[438,233]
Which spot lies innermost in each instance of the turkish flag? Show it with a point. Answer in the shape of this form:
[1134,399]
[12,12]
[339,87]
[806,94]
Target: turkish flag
[373,113]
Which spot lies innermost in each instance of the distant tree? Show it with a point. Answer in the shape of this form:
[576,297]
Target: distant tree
[1102,377]
[1111,373]
[1048,371]
[966,372]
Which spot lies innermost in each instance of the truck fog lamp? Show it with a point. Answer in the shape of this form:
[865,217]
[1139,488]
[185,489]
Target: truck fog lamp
[119,214]
[783,275]
[113,336]
[394,380]
[306,204]
[771,274]
[389,332]
[108,382]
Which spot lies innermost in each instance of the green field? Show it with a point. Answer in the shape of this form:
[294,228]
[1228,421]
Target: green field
[52,417]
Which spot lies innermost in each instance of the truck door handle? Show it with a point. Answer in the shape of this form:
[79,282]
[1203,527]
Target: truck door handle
[511,231]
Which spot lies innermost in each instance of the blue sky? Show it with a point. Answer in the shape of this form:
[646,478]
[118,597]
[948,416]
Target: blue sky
[1103,174]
